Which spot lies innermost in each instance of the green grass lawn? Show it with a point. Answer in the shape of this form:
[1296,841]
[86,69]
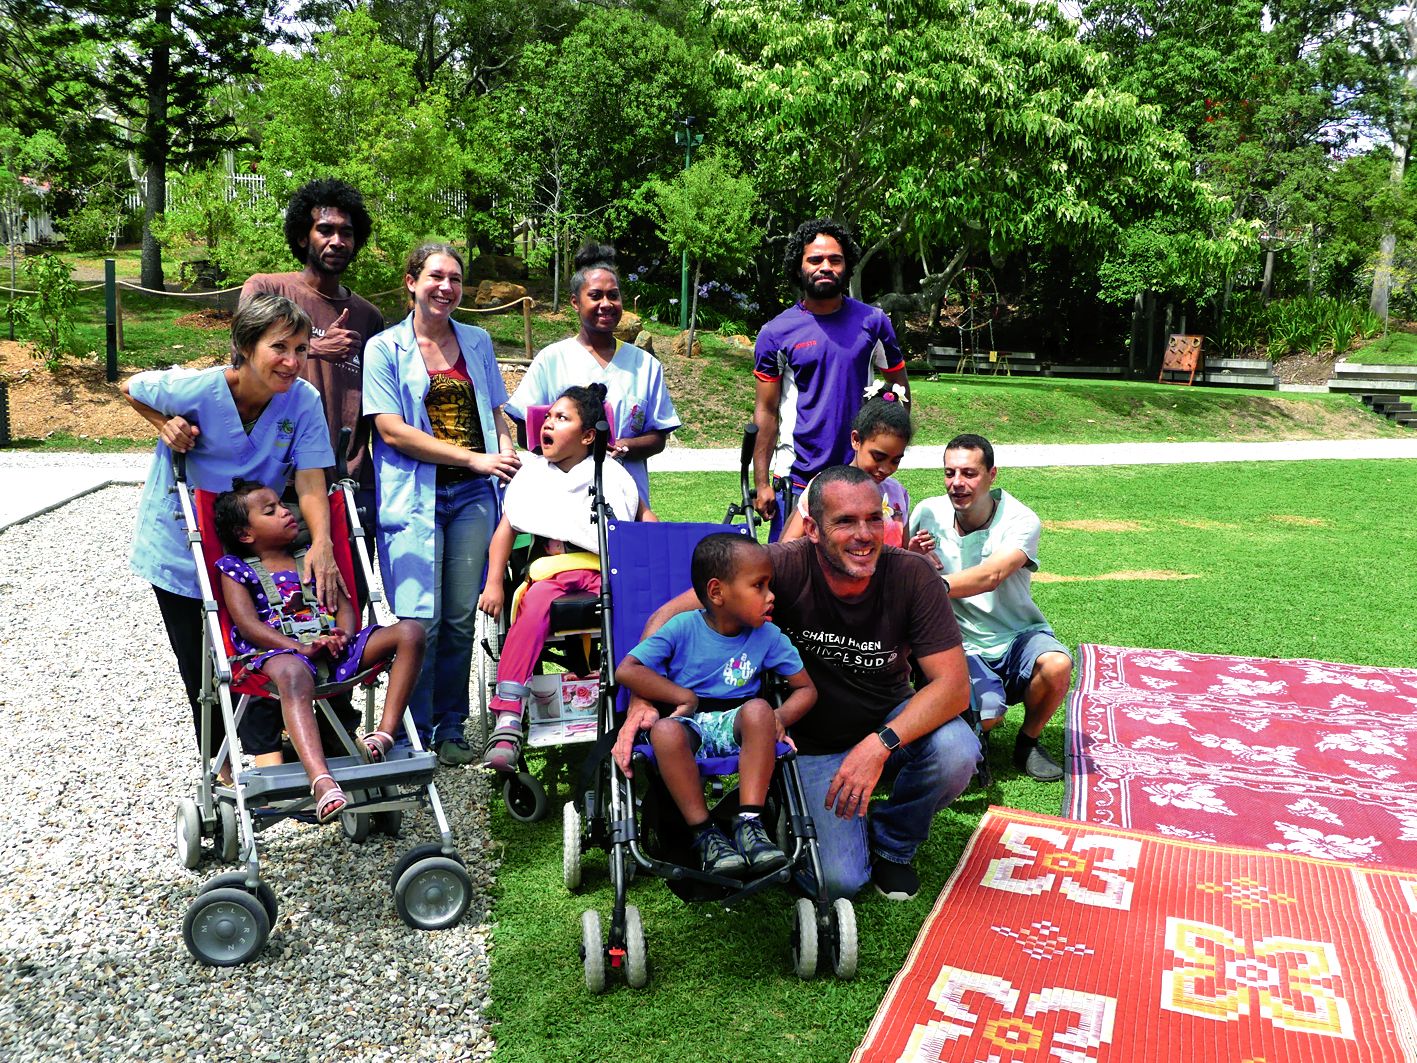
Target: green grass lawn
[1288,560]
[714,399]
[1396,348]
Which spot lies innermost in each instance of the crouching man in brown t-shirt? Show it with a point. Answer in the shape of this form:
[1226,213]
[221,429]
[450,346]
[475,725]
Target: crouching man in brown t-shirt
[858,611]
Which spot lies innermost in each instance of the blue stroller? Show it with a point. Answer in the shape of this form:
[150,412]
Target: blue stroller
[646,564]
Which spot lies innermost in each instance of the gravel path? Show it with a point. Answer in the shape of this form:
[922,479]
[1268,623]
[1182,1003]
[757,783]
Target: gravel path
[95,750]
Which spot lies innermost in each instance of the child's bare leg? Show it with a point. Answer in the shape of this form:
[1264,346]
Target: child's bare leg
[756,731]
[675,757]
[404,642]
[296,687]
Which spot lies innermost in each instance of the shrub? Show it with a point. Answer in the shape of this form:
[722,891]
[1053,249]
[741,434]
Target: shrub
[97,225]
[51,306]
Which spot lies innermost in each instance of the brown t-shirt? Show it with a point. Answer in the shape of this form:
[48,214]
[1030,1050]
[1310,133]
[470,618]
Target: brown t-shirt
[858,652]
[341,384]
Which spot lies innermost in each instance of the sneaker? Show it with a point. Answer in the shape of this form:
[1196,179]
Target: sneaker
[716,854]
[455,752]
[895,882]
[757,849]
[1037,764]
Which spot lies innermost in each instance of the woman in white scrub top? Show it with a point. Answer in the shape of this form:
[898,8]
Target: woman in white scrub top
[254,420]
[633,378]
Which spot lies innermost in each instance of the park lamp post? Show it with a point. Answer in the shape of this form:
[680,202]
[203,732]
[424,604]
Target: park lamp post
[687,139]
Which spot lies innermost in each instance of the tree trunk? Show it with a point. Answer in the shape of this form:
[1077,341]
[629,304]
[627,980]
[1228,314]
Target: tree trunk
[1401,145]
[1137,305]
[155,144]
[693,310]
[1267,286]
[1150,333]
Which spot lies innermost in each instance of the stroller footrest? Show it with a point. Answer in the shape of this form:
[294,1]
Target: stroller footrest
[279,782]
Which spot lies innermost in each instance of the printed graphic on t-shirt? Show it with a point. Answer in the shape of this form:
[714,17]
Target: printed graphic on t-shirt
[352,363]
[864,657]
[452,411]
[736,673]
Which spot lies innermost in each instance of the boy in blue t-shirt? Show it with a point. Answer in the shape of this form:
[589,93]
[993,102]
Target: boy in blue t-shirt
[707,664]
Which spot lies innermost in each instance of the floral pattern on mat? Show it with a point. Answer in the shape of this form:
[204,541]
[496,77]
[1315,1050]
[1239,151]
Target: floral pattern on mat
[1217,954]
[1305,757]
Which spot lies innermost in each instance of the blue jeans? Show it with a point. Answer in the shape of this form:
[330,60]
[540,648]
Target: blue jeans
[997,683]
[465,517]
[933,770]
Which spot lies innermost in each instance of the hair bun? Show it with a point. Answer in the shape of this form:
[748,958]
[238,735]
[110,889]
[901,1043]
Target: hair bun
[598,390]
[593,254]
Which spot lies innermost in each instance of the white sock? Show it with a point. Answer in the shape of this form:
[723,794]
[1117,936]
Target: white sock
[747,815]
[509,719]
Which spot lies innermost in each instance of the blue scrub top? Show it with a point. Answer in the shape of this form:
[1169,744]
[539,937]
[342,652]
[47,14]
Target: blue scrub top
[290,434]
[396,381]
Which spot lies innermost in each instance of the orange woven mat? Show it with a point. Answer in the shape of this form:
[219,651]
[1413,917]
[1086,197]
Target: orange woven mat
[1067,942]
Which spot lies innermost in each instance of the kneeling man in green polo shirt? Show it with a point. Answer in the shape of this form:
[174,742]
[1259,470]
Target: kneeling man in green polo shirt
[986,543]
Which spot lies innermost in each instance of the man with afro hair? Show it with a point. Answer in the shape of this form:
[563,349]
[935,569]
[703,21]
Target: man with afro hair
[812,364]
[326,224]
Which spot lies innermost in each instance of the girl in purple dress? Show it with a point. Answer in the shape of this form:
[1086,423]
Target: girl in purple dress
[294,642]
[879,436]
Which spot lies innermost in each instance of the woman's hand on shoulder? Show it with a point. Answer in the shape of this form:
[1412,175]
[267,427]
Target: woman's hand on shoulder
[179,434]
[503,465]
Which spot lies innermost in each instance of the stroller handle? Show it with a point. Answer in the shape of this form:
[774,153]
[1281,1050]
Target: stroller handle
[750,442]
[179,466]
[602,441]
[342,452]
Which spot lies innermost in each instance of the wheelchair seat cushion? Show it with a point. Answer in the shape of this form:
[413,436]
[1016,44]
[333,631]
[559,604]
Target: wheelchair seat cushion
[579,609]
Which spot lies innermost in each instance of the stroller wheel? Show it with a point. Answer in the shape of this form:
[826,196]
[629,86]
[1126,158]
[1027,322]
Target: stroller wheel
[636,956]
[571,846]
[189,833]
[389,822]
[433,893]
[844,939]
[804,938]
[228,838]
[237,880]
[524,797]
[593,951]
[225,927]
[417,853]
[355,826]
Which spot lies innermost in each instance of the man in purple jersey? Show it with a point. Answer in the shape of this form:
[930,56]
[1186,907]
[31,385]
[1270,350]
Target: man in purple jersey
[812,363]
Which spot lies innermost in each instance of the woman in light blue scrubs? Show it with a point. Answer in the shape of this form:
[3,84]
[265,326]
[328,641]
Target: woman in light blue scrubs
[441,448]
[255,420]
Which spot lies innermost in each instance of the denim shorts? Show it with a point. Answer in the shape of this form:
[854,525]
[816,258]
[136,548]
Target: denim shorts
[1000,682]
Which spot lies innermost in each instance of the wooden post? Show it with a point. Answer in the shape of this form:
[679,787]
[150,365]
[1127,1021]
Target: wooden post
[526,324]
[110,307]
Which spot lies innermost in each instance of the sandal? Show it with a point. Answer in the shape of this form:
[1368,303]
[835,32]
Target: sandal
[504,749]
[378,744]
[331,803]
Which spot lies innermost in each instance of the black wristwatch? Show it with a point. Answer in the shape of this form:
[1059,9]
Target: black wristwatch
[889,739]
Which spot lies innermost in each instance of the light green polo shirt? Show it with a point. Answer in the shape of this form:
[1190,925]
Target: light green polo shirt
[992,620]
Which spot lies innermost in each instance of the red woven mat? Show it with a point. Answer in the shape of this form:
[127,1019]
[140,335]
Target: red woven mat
[1302,757]
[1063,942]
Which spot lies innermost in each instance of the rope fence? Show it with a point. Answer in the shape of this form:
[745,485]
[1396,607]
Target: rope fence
[114,288]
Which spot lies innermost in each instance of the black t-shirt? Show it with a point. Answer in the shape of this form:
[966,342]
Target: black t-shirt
[858,652]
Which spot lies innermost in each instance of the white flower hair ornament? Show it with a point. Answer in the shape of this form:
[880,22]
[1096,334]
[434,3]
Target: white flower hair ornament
[896,393]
